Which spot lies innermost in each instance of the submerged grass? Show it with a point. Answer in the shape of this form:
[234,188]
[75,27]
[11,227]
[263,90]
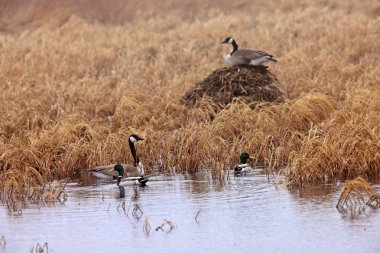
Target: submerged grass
[3,243]
[76,81]
[166,222]
[374,201]
[40,249]
[355,195]
[17,199]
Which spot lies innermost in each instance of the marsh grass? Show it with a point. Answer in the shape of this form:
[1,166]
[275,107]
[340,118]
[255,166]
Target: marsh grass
[122,206]
[146,226]
[196,216]
[3,242]
[78,77]
[374,201]
[169,224]
[137,212]
[40,249]
[46,195]
[354,196]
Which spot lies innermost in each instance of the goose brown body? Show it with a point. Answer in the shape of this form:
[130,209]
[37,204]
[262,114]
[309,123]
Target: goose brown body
[246,56]
[108,172]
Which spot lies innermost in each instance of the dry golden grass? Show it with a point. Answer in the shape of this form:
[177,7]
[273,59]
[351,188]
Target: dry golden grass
[78,77]
[354,195]
[374,201]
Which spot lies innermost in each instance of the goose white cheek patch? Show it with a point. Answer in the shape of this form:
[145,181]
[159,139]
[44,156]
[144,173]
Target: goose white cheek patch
[132,139]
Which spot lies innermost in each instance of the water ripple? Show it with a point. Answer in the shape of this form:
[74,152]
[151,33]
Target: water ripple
[244,214]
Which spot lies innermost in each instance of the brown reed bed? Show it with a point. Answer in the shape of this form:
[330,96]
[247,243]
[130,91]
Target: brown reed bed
[76,81]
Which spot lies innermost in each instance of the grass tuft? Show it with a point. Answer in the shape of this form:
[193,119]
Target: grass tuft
[353,196]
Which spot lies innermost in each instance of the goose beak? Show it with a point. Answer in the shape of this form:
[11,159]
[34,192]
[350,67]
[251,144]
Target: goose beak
[139,138]
[225,41]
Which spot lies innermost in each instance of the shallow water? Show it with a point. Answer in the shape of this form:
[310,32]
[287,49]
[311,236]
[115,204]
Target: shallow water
[247,214]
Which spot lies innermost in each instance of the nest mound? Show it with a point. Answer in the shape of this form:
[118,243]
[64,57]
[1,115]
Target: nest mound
[251,84]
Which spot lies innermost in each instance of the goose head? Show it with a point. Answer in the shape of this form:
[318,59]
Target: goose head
[228,40]
[244,157]
[235,47]
[134,138]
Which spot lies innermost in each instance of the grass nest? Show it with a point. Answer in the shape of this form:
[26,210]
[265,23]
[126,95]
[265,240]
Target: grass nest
[250,84]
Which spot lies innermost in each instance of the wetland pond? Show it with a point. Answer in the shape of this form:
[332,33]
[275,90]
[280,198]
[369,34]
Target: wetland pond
[246,214]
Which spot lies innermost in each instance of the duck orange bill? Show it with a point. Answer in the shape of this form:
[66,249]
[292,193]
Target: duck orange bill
[251,157]
[110,169]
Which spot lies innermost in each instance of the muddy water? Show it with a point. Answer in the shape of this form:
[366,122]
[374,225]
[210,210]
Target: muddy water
[247,214]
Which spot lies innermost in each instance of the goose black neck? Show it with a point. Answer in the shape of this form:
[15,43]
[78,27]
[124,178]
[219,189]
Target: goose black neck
[134,153]
[235,47]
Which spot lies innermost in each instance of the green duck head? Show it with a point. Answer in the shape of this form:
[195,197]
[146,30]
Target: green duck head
[119,168]
[244,157]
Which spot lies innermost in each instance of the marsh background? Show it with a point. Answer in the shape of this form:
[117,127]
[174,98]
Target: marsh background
[77,77]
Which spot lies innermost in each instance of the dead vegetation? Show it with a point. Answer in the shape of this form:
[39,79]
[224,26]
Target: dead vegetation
[3,243]
[40,249]
[76,81]
[146,226]
[355,195]
[374,201]
[46,195]
[251,84]
[169,224]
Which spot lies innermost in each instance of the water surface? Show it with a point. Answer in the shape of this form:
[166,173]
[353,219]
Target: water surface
[247,214]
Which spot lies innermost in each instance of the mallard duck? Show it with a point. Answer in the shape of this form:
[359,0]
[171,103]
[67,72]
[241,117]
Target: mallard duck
[243,167]
[110,172]
[250,57]
[139,180]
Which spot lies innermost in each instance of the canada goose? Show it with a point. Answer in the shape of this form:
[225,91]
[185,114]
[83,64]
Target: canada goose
[251,57]
[110,171]
[243,167]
